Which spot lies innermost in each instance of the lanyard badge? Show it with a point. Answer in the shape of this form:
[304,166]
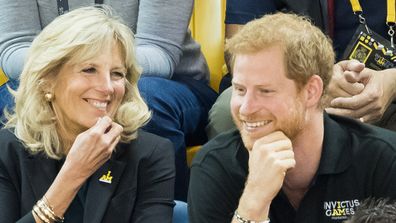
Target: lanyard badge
[370,48]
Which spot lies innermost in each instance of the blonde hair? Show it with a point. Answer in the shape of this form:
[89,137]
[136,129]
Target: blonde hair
[307,51]
[73,37]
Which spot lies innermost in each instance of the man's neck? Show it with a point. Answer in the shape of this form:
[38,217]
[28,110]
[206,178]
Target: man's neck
[307,148]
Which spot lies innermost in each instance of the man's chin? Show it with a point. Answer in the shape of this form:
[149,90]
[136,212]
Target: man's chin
[248,142]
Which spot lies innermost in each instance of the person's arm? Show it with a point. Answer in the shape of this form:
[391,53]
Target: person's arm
[156,186]
[89,151]
[19,24]
[211,197]
[269,160]
[9,203]
[161,30]
[214,201]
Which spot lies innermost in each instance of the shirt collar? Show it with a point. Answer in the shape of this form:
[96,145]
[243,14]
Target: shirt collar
[336,153]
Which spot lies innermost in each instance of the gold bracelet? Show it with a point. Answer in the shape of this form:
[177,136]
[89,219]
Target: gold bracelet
[46,210]
[36,211]
[241,219]
[50,209]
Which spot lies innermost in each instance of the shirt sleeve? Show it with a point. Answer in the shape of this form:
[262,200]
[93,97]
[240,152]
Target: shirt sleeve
[384,177]
[210,197]
[241,12]
[9,197]
[19,24]
[161,29]
[156,187]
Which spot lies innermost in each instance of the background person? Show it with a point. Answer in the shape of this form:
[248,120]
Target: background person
[73,147]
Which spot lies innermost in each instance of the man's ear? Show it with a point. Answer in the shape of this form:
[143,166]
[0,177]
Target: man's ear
[313,91]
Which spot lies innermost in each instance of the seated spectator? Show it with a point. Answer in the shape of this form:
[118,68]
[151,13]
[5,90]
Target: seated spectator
[289,161]
[375,211]
[73,150]
[175,75]
[355,90]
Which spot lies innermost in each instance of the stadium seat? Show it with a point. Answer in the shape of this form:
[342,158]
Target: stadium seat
[207,28]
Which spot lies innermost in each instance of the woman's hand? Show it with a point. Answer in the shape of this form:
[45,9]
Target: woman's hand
[93,148]
[90,150]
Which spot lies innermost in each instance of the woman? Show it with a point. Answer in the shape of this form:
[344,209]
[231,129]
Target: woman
[72,148]
[170,58]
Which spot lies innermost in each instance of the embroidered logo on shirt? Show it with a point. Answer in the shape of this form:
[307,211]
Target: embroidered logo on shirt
[106,178]
[3,78]
[340,210]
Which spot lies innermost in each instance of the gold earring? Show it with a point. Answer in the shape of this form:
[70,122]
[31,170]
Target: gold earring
[48,97]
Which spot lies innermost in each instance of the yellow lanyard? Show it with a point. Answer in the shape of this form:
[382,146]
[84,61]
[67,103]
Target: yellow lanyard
[390,17]
[356,6]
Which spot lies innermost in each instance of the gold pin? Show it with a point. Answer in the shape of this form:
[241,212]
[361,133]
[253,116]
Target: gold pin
[106,178]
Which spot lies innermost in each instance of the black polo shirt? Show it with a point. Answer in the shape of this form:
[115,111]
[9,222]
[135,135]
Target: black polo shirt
[358,161]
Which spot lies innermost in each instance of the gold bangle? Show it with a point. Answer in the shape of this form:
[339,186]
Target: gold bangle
[40,215]
[50,209]
[45,210]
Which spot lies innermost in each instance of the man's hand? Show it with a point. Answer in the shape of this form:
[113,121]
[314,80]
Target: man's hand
[345,80]
[370,104]
[269,160]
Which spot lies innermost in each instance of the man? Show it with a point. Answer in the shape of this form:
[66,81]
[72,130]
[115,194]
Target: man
[363,94]
[288,161]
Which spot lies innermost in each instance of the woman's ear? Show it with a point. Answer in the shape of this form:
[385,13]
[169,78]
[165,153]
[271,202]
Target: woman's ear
[314,91]
[47,86]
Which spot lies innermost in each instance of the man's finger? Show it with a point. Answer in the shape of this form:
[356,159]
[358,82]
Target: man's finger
[366,112]
[352,65]
[349,89]
[272,137]
[355,102]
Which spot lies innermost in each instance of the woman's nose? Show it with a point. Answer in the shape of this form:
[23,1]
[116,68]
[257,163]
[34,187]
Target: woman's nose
[105,83]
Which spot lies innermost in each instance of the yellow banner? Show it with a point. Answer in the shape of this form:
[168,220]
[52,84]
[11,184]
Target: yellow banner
[3,78]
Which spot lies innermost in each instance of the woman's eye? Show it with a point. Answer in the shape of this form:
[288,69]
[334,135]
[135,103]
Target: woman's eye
[117,75]
[89,70]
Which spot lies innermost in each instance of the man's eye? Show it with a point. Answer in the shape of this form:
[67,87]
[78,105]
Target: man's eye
[239,90]
[265,91]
